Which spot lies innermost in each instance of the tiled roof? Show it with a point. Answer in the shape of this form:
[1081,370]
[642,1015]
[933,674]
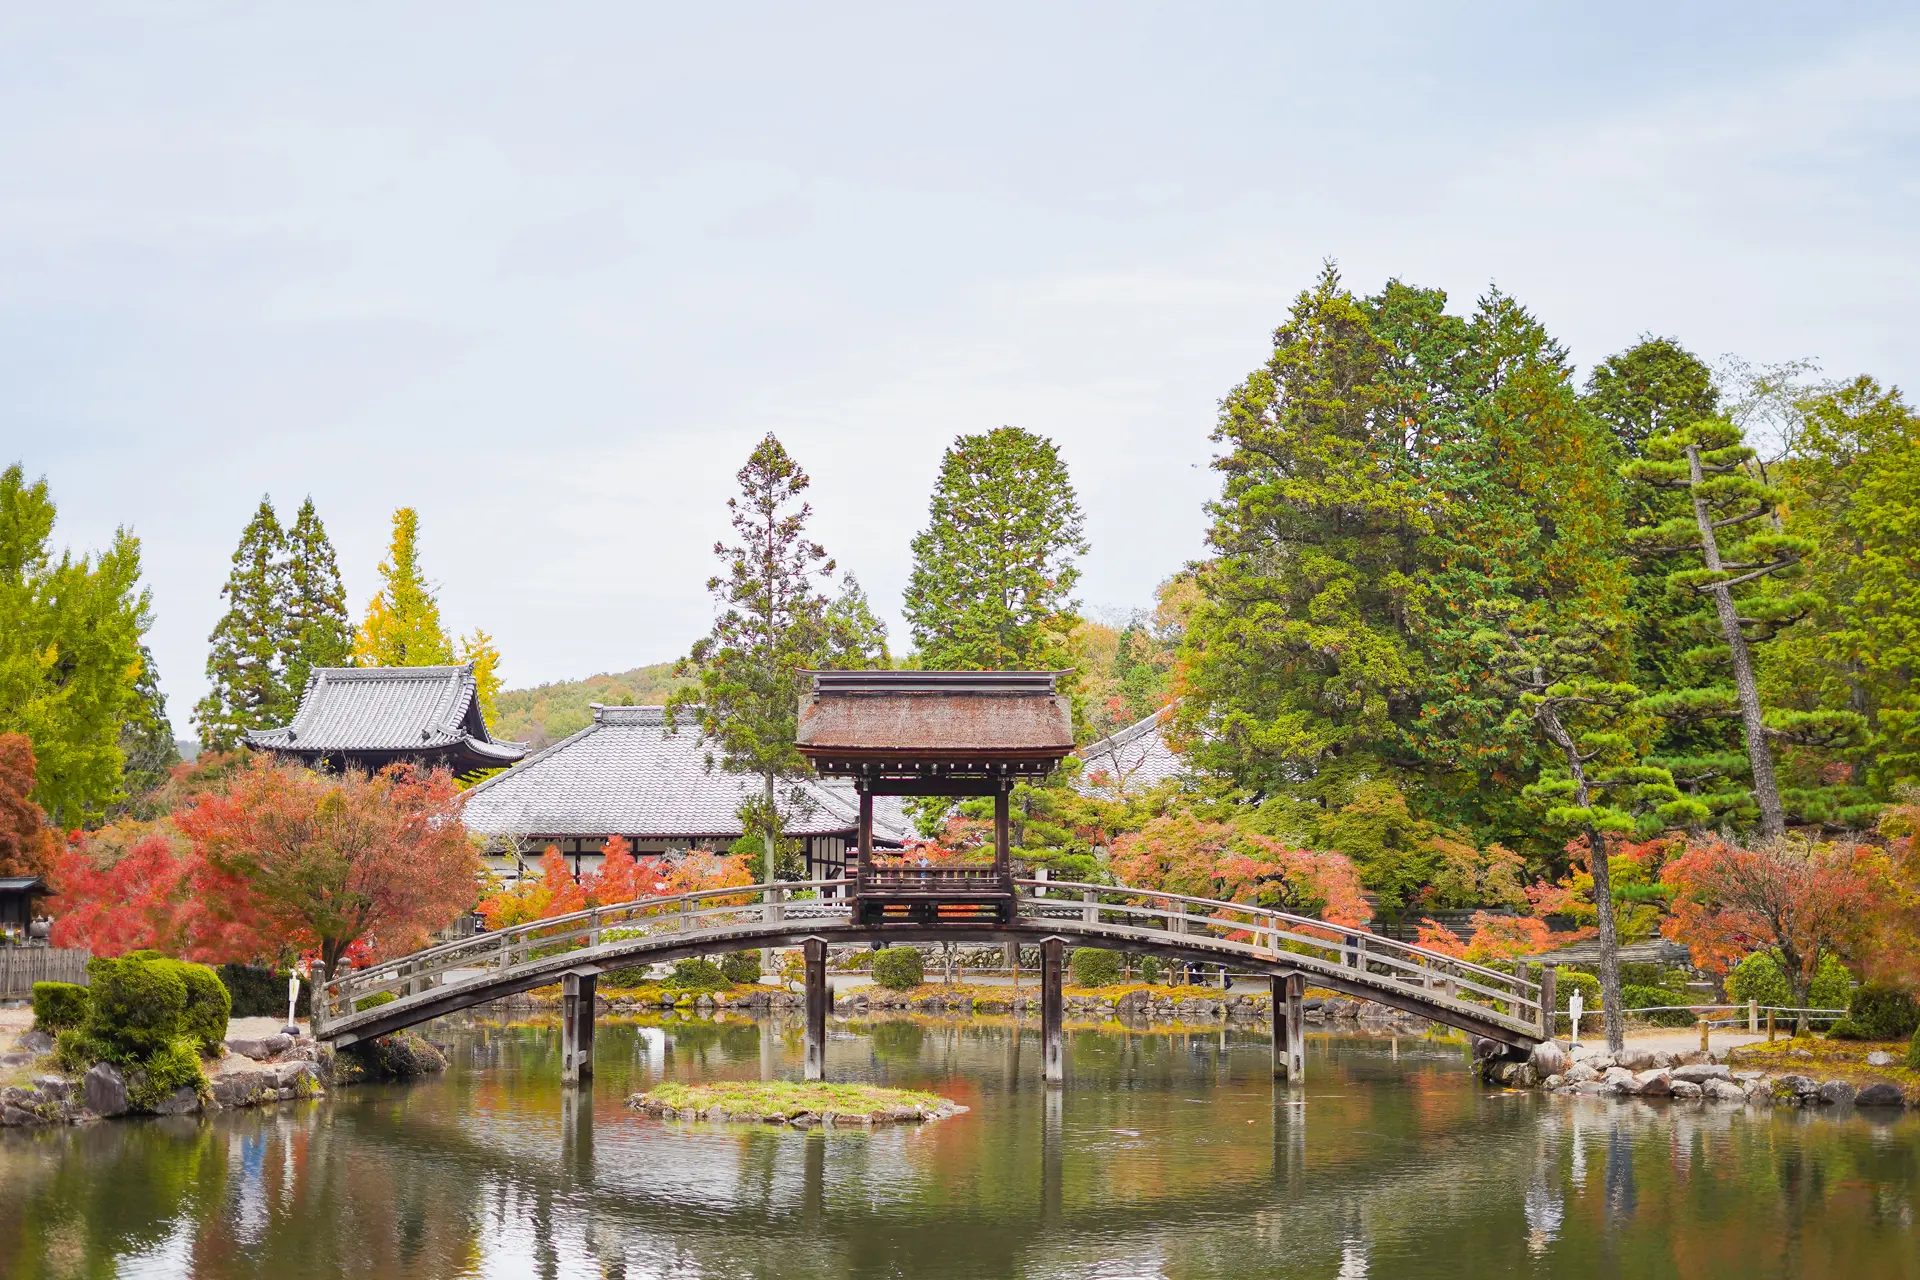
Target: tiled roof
[389,709]
[1134,760]
[625,774]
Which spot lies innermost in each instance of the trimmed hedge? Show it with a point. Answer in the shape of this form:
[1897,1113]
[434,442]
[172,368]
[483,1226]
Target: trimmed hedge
[1568,981]
[1760,978]
[899,968]
[1149,969]
[1878,1013]
[208,1008]
[1095,967]
[696,974]
[1637,997]
[148,1013]
[58,1006]
[741,967]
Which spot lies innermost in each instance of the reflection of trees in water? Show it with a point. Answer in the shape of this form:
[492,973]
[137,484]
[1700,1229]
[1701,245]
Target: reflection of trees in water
[1167,1153]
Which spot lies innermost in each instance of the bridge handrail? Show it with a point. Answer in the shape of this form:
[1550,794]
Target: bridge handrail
[1314,922]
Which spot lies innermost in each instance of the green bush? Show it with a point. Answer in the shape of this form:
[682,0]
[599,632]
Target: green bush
[634,975]
[170,1068]
[208,1007]
[1569,981]
[741,967]
[1150,969]
[1672,980]
[1759,978]
[696,974]
[1913,1053]
[1832,986]
[1878,1013]
[136,1008]
[899,968]
[1095,966]
[374,1001]
[58,1006]
[1637,997]
[260,992]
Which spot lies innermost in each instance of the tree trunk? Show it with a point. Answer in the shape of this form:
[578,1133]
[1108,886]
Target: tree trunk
[1611,1001]
[770,841]
[1766,792]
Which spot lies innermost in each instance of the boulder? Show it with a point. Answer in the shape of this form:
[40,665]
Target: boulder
[1550,1059]
[1686,1092]
[36,1042]
[1652,1084]
[106,1089]
[1881,1094]
[1621,1080]
[1132,1005]
[178,1103]
[1591,1052]
[1579,1073]
[1701,1072]
[1834,1092]
[1634,1059]
[53,1086]
[16,1059]
[1719,1090]
[1879,1058]
[1793,1090]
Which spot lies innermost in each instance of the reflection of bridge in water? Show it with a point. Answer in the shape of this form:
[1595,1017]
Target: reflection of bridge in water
[1292,950]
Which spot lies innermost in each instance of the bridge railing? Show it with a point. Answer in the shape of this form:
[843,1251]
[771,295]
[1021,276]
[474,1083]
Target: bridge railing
[1265,934]
[475,958]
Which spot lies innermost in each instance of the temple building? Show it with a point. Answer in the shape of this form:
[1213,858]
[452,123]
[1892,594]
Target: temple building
[1130,762]
[371,717]
[628,774]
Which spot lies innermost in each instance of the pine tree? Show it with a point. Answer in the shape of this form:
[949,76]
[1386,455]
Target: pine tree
[774,623]
[246,675]
[318,630]
[70,632]
[993,572]
[1727,545]
[402,626]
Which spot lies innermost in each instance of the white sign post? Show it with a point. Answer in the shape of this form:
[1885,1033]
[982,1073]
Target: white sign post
[293,1000]
[1574,1006]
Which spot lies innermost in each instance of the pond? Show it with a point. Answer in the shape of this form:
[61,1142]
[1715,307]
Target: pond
[1167,1154]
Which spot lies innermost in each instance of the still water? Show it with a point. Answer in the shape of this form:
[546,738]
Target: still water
[1167,1155]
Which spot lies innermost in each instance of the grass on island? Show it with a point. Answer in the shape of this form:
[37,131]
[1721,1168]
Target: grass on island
[1829,1060]
[788,1098]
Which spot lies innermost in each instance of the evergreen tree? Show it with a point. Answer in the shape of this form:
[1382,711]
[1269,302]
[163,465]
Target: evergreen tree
[246,675]
[146,735]
[402,626]
[774,623]
[993,572]
[318,630]
[1653,386]
[1853,488]
[70,632]
[1728,545]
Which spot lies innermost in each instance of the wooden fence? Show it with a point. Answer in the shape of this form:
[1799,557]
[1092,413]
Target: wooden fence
[21,967]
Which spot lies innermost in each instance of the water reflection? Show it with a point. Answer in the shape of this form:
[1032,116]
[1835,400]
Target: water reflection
[1167,1154]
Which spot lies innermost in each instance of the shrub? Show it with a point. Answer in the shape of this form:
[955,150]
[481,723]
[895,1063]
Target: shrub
[1638,997]
[899,968]
[741,967]
[1913,1053]
[1759,978]
[1878,1013]
[208,1006]
[696,974]
[1095,966]
[1571,980]
[172,1067]
[1832,986]
[136,1007]
[633,975]
[58,1006]
[374,1001]
[261,992]
[1149,969]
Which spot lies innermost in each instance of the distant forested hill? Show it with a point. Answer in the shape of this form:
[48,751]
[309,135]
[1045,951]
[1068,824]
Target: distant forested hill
[549,712]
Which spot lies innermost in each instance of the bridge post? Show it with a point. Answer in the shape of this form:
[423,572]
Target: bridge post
[1296,1061]
[317,998]
[816,956]
[576,1026]
[1279,1027]
[1549,977]
[1052,1059]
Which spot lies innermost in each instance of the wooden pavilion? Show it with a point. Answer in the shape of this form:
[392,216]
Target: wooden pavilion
[935,733]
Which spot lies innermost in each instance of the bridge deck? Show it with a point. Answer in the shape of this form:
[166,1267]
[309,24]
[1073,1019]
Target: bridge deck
[361,1004]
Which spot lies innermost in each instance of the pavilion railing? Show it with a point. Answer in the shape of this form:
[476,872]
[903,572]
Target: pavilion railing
[1119,913]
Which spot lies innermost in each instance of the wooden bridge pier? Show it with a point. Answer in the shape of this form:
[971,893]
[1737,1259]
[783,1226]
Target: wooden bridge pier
[816,957]
[1053,1068]
[576,1025]
[1290,1028]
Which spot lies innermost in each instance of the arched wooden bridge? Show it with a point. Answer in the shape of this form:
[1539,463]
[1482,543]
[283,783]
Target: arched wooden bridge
[1293,950]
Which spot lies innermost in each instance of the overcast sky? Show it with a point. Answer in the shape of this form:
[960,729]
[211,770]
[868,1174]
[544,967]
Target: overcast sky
[546,272]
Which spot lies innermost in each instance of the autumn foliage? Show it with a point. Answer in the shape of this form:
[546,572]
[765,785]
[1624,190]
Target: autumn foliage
[1184,854]
[27,846]
[621,877]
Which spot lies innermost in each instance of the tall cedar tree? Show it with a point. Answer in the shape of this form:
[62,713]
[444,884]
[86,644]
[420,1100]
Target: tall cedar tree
[1297,659]
[318,632]
[69,652]
[1601,786]
[246,675]
[1725,547]
[1853,490]
[994,570]
[27,845]
[774,624]
[402,624]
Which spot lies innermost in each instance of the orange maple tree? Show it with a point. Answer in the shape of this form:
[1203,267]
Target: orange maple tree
[28,846]
[1184,854]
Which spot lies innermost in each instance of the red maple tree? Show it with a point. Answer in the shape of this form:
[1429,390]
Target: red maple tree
[1183,854]
[27,846]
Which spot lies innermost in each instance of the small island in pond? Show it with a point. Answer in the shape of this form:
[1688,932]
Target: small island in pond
[785,1102]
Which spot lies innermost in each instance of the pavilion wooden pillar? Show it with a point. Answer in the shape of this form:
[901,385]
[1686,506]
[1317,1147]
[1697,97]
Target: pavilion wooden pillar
[1293,1066]
[816,955]
[1002,845]
[866,832]
[1279,1028]
[576,1026]
[1052,1051]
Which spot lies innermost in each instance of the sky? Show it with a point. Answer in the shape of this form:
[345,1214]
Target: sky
[546,273]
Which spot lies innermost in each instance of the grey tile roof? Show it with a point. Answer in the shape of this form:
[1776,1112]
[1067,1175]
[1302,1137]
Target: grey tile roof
[625,774]
[1129,762]
[388,709]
